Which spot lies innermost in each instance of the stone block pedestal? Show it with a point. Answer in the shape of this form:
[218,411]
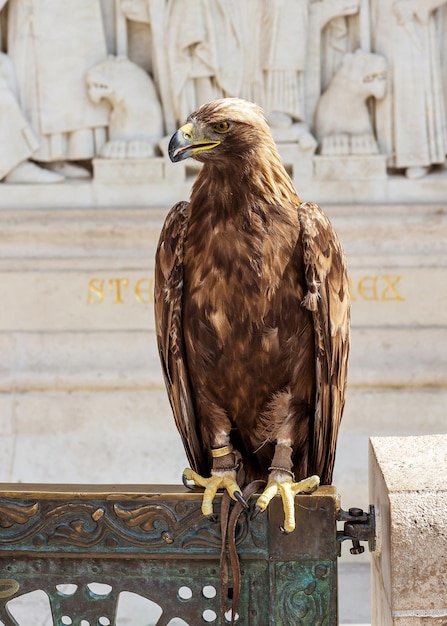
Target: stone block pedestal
[409,568]
[129,171]
[350,167]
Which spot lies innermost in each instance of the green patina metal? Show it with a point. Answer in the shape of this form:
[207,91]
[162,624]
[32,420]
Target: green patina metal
[154,541]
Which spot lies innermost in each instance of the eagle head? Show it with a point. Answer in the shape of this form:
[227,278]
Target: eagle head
[218,129]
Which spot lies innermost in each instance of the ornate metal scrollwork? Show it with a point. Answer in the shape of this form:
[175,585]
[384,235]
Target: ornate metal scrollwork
[12,513]
[159,549]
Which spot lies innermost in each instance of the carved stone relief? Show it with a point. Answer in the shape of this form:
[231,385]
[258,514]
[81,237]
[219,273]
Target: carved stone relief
[17,138]
[50,76]
[411,119]
[135,121]
[335,77]
[343,130]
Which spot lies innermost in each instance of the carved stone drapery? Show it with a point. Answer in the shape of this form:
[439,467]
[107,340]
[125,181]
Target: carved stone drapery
[282,54]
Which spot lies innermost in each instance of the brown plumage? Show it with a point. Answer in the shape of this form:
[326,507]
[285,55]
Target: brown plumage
[251,303]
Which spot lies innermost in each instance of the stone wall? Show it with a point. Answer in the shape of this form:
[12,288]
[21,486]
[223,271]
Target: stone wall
[409,566]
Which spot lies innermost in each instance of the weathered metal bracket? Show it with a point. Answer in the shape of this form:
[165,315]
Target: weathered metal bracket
[153,541]
[358,526]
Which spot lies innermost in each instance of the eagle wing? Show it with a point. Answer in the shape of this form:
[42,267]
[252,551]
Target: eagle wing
[328,299]
[168,296]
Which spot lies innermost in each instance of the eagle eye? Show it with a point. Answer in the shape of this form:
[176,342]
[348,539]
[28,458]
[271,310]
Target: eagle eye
[221,127]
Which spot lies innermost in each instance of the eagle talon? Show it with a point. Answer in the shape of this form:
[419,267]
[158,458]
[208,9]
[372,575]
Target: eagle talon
[213,518]
[241,499]
[257,509]
[217,480]
[186,483]
[280,483]
[283,530]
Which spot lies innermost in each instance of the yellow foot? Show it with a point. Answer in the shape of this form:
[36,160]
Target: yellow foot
[217,480]
[283,485]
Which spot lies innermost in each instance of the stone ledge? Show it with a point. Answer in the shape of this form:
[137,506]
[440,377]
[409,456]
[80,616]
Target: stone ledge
[128,359]
[368,231]
[146,190]
[409,569]
[128,171]
[351,167]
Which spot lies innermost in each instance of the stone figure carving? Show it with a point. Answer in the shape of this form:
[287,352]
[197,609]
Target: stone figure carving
[327,42]
[283,53]
[204,47]
[230,45]
[18,141]
[148,19]
[136,10]
[192,62]
[342,119]
[252,79]
[195,48]
[288,28]
[411,119]
[52,44]
[293,59]
[136,121]
[134,37]
[338,21]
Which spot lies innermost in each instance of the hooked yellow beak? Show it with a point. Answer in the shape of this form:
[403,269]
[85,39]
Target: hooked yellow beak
[183,144]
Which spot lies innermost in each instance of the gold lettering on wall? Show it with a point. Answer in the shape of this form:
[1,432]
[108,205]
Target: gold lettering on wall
[390,292]
[120,290]
[369,288]
[144,290]
[382,288]
[118,287]
[95,291]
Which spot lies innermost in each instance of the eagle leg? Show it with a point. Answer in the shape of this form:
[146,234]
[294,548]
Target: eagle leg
[223,476]
[281,482]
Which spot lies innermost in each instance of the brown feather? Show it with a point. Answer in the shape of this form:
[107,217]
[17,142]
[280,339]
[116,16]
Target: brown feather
[252,306]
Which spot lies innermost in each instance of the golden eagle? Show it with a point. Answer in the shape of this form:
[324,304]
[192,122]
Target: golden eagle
[252,315]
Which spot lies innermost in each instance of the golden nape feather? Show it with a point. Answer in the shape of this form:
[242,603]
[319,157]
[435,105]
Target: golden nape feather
[252,315]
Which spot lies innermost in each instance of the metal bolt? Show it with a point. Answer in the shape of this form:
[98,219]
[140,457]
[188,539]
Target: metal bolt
[356,512]
[356,547]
